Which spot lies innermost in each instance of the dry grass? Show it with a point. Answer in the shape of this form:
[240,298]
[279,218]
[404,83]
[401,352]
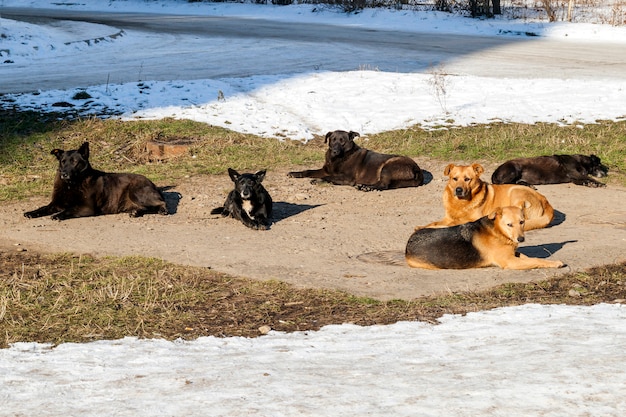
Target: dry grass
[27,168]
[65,298]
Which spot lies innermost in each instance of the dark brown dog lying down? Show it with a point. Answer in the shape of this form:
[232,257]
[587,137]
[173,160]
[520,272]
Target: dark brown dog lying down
[81,191]
[349,164]
[489,241]
[554,169]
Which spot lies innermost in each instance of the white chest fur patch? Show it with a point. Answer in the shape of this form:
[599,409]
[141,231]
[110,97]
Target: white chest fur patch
[247,207]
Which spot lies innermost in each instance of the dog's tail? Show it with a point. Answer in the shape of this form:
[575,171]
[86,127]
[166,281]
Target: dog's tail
[218,210]
[388,257]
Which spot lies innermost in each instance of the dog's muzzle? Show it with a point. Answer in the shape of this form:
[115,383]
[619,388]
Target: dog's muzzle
[336,152]
[600,172]
[460,192]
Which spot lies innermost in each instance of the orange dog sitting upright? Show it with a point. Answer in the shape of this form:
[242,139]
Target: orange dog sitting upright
[491,240]
[468,198]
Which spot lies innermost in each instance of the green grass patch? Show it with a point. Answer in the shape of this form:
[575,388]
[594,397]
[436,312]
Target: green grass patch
[499,142]
[27,168]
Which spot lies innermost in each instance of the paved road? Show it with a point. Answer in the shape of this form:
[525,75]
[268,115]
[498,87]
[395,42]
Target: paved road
[169,47]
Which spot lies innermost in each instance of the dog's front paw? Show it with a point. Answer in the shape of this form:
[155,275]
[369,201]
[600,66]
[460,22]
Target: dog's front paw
[366,188]
[262,226]
[258,226]
[294,174]
[40,212]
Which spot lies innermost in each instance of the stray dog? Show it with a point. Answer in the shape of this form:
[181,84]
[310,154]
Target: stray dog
[81,191]
[348,164]
[490,240]
[467,198]
[249,202]
[555,169]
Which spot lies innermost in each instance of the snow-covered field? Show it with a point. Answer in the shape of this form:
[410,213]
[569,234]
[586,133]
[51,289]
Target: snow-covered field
[532,360]
[298,106]
[523,361]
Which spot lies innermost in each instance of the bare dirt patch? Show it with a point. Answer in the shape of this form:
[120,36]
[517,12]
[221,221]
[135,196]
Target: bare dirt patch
[320,232]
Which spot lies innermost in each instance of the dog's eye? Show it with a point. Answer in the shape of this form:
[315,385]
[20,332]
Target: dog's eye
[467,179]
[455,179]
[521,222]
[509,224]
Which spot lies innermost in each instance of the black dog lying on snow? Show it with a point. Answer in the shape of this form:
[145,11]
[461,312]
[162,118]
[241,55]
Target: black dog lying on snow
[81,191]
[348,164]
[249,202]
[554,169]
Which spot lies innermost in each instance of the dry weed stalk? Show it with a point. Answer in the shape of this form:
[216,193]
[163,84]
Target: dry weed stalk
[440,83]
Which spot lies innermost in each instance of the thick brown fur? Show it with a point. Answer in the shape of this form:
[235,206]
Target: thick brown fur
[348,164]
[81,191]
[467,198]
[489,241]
[553,169]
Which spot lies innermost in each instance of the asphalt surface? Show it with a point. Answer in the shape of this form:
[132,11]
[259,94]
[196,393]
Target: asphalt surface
[169,47]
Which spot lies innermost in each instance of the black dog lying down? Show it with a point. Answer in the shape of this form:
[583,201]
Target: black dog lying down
[81,191]
[249,202]
[554,169]
[349,164]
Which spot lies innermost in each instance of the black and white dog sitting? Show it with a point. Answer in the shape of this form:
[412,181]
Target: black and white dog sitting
[249,202]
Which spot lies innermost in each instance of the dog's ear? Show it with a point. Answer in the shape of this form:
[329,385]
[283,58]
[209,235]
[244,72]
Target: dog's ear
[478,169]
[84,150]
[353,135]
[496,213]
[233,174]
[525,206]
[327,137]
[447,169]
[260,175]
[57,152]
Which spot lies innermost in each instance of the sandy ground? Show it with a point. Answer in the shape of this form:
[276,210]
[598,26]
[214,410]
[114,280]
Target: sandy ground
[320,232]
